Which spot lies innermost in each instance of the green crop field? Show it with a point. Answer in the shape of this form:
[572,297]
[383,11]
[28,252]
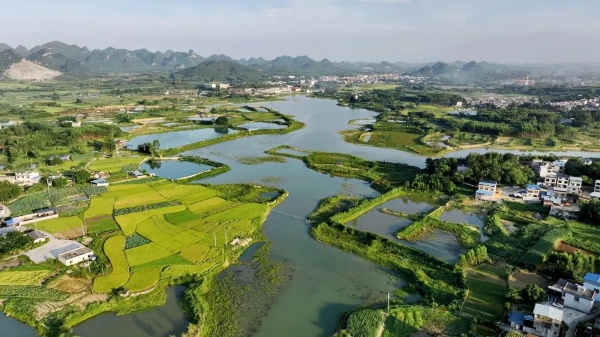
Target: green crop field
[148,229]
[180,191]
[59,224]
[99,206]
[199,195]
[23,278]
[170,260]
[244,211]
[129,222]
[199,206]
[407,321]
[101,224]
[195,253]
[113,248]
[181,217]
[143,279]
[146,253]
[123,190]
[487,288]
[182,270]
[114,164]
[166,226]
[138,199]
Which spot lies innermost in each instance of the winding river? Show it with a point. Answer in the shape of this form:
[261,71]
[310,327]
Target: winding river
[325,281]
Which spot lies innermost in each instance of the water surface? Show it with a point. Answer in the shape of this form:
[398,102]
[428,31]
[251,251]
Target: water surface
[178,138]
[174,169]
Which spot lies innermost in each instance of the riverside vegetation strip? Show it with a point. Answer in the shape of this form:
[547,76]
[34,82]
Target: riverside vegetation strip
[154,245]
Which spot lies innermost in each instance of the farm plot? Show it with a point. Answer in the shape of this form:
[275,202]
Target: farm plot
[181,217]
[148,229]
[138,199]
[143,279]
[487,287]
[195,253]
[244,211]
[99,206]
[60,224]
[146,253]
[180,191]
[182,270]
[114,164]
[204,204]
[113,248]
[23,278]
[365,323]
[411,321]
[129,222]
[101,224]
[170,260]
[70,284]
[199,195]
[115,191]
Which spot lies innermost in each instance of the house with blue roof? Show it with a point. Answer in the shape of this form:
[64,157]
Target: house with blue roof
[520,321]
[486,190]
[592,281]
[100,182]
[532,191]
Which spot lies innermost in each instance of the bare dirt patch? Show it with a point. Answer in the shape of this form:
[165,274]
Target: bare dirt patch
[69,234]
[80,300]
[70,284]
[563,247]
[509,226]
[29,71]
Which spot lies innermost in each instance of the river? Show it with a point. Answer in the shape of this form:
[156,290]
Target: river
[325,281]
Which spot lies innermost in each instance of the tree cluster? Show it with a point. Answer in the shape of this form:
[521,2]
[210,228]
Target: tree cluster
[571,266]
[8,191]
[474,257]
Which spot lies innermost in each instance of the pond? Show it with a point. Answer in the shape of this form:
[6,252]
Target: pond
[441,245]
[174,169]
[178,138]
[261,126]
[465,217]
[160,322]
[13,328]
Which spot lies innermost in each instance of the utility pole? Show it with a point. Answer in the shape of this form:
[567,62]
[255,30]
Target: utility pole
[388,298]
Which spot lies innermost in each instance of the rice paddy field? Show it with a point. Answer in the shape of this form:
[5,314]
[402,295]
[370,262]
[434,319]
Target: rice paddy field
[185,237]
[114,164]
[487,288]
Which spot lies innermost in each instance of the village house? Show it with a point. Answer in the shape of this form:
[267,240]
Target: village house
[547,320]
[571,295]
[486,190]
[592,281]
[76,256]
[521,322]
[572,185]
[532,191]
[37,236]
[587,161]
[597,186]
[101,182]
[595,195]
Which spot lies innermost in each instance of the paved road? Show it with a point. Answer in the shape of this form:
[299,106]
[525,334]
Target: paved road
[51,249]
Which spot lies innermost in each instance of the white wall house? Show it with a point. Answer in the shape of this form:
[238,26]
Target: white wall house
[597,186]
[75,256]
[572,295]
[486,190]
[547,320]
[592,281]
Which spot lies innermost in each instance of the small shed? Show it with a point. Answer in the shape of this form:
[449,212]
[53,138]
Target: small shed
[76,256]
[37,236]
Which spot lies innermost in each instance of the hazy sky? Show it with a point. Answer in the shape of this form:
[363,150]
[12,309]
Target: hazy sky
[514,31]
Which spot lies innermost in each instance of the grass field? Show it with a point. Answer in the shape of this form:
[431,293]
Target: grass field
[59,224]
[199,206]
[138,199]
[113,248]
[99,206]
[101,224]
[487,288]
[114,164]
[244,211]
[146,253]
[181,217]
[23,278]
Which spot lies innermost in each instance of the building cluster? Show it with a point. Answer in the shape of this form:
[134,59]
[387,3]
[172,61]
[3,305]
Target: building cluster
[26,178]
[499,102]
[565,303]
[591,104]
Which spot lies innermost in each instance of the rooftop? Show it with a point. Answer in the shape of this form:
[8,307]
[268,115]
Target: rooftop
[516,317]
[74,253]
[36,235]
[592,278]
[532,187]
[548,311]
[488,183]
[574,289]
[484,192]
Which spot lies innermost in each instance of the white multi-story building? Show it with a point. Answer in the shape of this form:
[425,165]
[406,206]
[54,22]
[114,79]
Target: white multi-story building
[546,320]
[574,186]
[563,181]
[572,296]
[597,186]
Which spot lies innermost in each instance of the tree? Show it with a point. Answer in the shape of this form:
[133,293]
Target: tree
[55,97]
[78,101]
[54,161]
[222,120]
[513,295]
[81,176]
[156,145]
[60,182]
[533,294]
[8,191]
[590,211]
